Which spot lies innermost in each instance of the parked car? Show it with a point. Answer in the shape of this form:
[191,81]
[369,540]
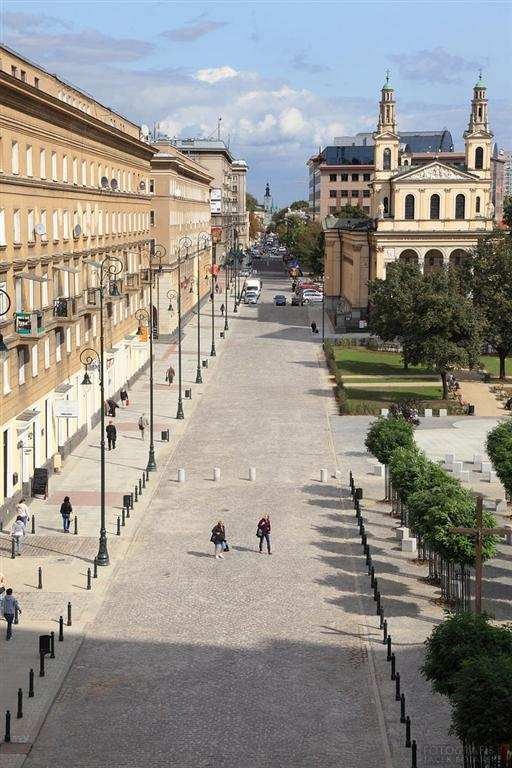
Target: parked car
[280,300]
[312,297]
[249,295]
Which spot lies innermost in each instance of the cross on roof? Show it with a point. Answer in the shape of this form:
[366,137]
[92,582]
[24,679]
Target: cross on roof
[387,76]
[479,532]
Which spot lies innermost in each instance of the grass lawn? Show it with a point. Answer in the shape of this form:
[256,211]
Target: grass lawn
[491,364]
[353,360]
[387,396]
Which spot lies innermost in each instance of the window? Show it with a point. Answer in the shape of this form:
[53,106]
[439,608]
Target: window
[42,220]
[366,193]
[91,175]
[152,184]
[386,205]
[366,177]
[47,352]
[36,82]
[77,332]
[152,215]
[3,241]
[22,361]
[55,225]
[460,207]
[44,291]
[65,224]
[42,164]
[59,340]
[16,226]
[332,209]
[6,377]
[344,176]
[14,71]
[75,171]
[68,340]
[65,169]
[479,158]
[344,192]
[100,222]
[84,173]
[15,158]
[477,205]
[18,294]
[35,361]
[434,206]
[386,158]
[23,75]
[355,177]
[332,193]
[409,207]
[31,223]
[354,193]
[332,177]
[30,168]
[54,166]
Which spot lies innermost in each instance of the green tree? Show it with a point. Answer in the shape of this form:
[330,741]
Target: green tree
[255,226]
[385,435]
[407,468]
[482,701]
[490,268]
[499,450]
[351,212]
[299,205]
[507,210]
[458,639]
[251,202]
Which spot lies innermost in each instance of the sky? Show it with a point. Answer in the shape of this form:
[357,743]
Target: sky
[285,77]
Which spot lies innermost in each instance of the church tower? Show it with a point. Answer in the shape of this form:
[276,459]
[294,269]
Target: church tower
[386,148]
[478,137]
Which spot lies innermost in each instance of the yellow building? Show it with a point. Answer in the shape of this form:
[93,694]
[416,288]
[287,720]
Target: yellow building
[431,214]
[74,189]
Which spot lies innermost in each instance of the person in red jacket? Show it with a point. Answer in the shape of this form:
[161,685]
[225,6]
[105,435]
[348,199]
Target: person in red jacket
[264,533]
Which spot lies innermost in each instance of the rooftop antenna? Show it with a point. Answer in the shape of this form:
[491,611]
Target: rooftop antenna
[219,120]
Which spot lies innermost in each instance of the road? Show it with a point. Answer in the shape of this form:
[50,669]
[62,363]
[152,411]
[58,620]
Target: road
[253,660]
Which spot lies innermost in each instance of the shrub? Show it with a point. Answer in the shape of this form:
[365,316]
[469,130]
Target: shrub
[458,639]
[406,468]
[385,435]
[499,449]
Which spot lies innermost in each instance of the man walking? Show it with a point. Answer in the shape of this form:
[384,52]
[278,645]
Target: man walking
[9,607]
[170,374]
[143,425]
[111,435]
[222,309]
[263,532]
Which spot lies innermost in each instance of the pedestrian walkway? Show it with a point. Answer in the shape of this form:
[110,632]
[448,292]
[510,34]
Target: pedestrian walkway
[253,660]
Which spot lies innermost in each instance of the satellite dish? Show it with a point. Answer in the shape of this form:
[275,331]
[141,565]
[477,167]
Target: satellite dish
[113,184]
[104,182]
[77,231]
[142,185]
[144,130]
[40,229]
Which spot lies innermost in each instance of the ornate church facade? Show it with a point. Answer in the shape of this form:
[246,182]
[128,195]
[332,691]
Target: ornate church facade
[431,214]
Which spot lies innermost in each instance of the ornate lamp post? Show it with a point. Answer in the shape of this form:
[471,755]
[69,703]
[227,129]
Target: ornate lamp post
[226,269]
[203,240]
[235,259]
[140,315]
[5,305]
[108,270]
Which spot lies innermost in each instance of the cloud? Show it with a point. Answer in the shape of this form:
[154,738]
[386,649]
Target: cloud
[215,75]
[433,66]
[193,30]
[300,62]
[30,22]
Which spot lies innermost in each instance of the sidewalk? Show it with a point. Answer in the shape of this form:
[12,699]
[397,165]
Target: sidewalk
[65,558]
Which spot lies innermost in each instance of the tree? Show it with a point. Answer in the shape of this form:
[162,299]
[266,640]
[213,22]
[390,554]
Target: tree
[255,226]
[385,435]
[507,210]
[458,639]
[407,467]
[299,205]
[499,450]
[251,202]
[490,268]
[351,212]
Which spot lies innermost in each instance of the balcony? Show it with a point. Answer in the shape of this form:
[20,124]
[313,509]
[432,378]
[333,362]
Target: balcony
[144,276]
[132,281]
[29,324]
[65,309]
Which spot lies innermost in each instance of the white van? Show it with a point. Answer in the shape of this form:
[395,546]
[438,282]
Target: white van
[253,284]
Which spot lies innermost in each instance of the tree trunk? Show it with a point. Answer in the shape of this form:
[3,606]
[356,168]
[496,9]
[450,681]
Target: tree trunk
[503,358]
[445,385]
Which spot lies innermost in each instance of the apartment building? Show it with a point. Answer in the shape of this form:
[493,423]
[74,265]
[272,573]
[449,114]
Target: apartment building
[180,209]
[74,189]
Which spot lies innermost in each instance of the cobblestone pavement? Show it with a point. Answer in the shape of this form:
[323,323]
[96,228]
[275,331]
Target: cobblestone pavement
[252,660]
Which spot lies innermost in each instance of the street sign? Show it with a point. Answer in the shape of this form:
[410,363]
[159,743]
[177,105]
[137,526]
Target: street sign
[66,409]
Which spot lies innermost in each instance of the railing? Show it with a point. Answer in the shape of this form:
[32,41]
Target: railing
[65,308]
[29,323]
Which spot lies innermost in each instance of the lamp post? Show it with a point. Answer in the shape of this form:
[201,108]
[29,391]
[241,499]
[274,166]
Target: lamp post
[226,270]
[203,240]
[108,270]
[323,308]
[213,351]
[144,314]
[184,243]
[233,250]
[5,305]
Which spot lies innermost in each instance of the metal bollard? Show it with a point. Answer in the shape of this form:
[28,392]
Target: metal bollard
[69,615]
[397,686]
[393,666]
[61,629]
[131,500]
[372,576]
[19,713]
[375,587]
[252,473]
[88,578]
[363,542]
[39,578]
[379,607]
[402,707]
[216,473]
[147,474]
[75,531]
[136,494]
[388,641]
[31,684]
[33,530]
[7,736]
[127,513]
[385,629]
[123,517]
[41,665]
[369,561]
[1,526]
[118,531]
[52,645]
[140,487]
[407,731]
[181,475]
[16,615]
[13,554]
[143,479]
[414,754]
[381,617]
[95,568]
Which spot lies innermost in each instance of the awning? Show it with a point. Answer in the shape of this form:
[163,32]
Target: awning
[25,419]
[64,268]
[63,388]
[29,276]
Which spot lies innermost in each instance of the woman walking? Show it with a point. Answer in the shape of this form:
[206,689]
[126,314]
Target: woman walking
[66,510]
[263,532]
[17,533]
[169,375]
[218,538]
[143,425]
[124,397]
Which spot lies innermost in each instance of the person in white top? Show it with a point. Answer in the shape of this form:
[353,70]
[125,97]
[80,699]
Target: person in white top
[22,511]
[17,533]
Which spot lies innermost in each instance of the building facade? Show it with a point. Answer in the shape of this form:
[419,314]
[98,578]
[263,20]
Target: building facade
[74,180]
[429,213]
[507,173]
[180,215]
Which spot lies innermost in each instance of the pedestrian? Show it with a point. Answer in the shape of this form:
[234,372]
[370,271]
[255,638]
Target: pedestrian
[314,327]
[22,511]
[66,510]
[170,374]
[111,435]
[222,309]
[125,401]
[112,407]
[263,532]
[18,531]
[9,608]
[143,424]
[218,538]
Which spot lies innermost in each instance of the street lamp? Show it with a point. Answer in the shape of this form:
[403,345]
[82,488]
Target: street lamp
[234,251]
[226,269]
[203,240]
[5,305]
[184,243]
[213,284]
[140,315]
[108,270]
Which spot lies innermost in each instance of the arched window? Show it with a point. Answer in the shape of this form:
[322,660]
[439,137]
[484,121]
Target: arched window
[460,207]
[479,158]
[477,205]
[387,159]
[434,206]
[409,207]
[406,162]
[386,205]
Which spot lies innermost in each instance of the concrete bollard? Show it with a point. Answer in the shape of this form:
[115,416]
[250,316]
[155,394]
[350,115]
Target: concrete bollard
[449,458]
[402,533]
[477,458]
[338,474]
[181,475]
[443,413]
[409,545]
[252,473]
[457,468]
[508,534]
[464,476]
[485,466]
[323,475]
[428,413]
[216,473]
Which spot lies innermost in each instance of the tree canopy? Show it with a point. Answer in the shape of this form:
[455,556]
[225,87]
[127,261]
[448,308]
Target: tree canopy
[351,212]
[499,450]
[385,435]
[251,202]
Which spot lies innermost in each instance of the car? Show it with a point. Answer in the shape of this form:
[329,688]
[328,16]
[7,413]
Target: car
[312,297]
[296,300]
[280,300]
[252,298]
